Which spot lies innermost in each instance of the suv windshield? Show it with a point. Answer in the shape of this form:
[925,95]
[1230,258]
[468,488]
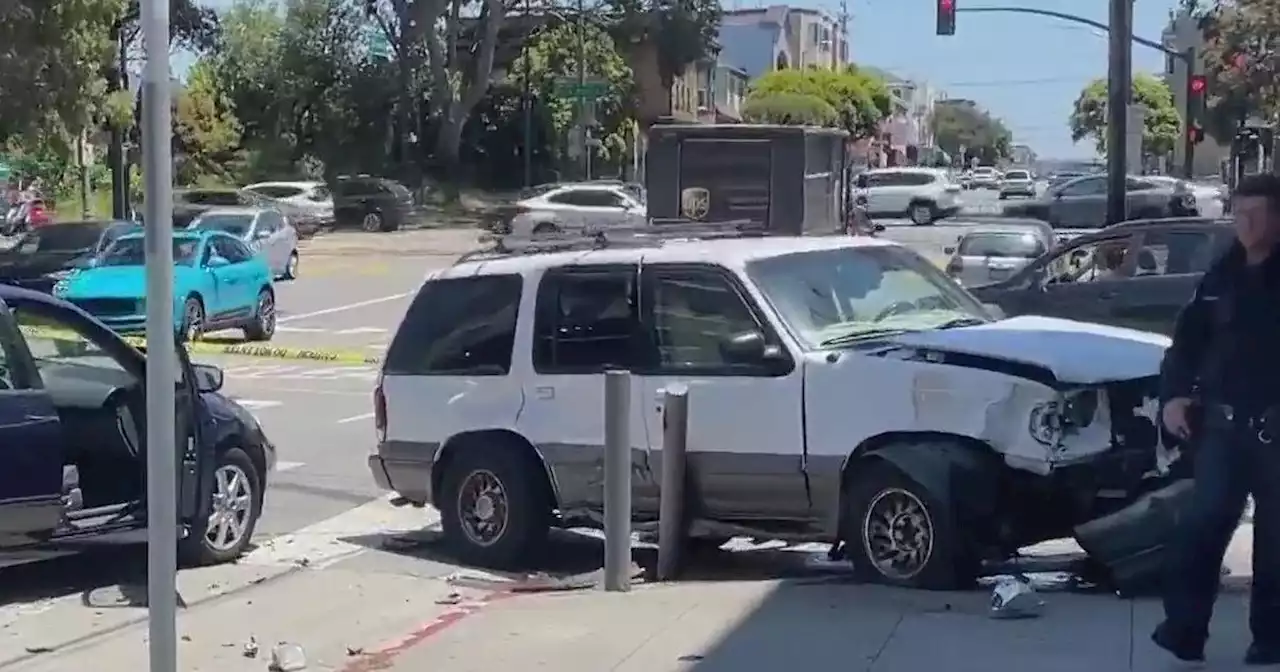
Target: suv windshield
[131,251]
[835,297]
[1015,245]
[234,224]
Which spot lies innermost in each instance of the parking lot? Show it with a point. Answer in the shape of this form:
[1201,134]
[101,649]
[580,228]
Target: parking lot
[362,585]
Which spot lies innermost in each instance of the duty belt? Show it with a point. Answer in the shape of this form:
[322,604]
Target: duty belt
[1265,424]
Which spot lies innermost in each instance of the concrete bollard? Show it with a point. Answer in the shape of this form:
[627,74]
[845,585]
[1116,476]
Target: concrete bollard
[671,522]
[617,481]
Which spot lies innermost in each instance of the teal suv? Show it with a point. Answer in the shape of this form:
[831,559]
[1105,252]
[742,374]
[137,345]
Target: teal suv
[218,283]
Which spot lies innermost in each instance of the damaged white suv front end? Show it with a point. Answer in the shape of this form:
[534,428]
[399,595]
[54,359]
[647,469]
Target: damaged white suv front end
[960,438]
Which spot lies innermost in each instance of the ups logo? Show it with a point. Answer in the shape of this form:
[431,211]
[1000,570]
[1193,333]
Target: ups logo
[695,203]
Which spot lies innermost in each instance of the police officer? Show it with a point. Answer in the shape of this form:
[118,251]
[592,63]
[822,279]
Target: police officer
[1220,387]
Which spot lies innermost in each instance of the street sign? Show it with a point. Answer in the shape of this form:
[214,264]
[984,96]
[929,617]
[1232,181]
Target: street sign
[377,43]
[588,90]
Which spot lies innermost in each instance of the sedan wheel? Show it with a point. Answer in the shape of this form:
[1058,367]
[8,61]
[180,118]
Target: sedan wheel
[234,507]
[371,223]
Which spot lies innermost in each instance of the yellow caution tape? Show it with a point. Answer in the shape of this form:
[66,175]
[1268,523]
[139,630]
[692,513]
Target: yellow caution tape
[212,348]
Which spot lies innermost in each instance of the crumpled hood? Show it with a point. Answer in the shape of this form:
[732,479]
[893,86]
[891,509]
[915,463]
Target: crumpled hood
[1075,352]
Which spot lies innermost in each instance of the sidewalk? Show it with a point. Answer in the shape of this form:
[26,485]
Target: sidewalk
[347,620]
[421,242]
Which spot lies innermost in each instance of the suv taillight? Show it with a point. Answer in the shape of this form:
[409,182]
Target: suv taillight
[380,410]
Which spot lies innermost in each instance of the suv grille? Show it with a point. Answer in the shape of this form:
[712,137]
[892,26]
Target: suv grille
[108,307]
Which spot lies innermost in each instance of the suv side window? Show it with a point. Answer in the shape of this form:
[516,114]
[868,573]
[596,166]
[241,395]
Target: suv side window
[1094,186]
[589,198]
[694,311]
[587,320]
[230,249]
[1175,253]
[270,222]
[915,179]
[458,327]
[1100,260]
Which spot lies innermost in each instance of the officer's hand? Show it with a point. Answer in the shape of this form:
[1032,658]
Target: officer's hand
[1175,415]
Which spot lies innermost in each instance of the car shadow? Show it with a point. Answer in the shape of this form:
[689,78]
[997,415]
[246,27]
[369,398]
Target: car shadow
[122,568]
[575,559]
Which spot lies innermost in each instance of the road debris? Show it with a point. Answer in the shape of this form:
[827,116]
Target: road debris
[250,649]
[1014,597]
[287,657]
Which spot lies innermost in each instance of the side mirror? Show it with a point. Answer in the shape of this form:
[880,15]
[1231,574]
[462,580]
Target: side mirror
[217,262]
[209,378]
[878,228]
[950,249]
[995,311]
[748,347]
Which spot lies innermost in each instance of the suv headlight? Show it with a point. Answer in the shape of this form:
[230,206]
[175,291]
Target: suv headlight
[1045,424]
[1052,420]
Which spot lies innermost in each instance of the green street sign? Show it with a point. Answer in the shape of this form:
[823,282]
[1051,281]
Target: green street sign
[589,90]
[377,43]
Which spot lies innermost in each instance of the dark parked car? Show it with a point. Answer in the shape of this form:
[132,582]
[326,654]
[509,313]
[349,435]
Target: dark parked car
[372,203]
[190,203]
[1135,274]
[44,256]
[1082,203]
[72,422]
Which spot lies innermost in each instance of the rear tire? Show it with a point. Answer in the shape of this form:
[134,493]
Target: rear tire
[922,213]
[494,508]
[291,266]
[371,222]
[546,229]
[193,320]
[263,324]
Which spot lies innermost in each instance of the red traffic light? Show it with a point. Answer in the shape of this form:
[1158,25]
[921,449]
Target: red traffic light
[1198,84]
[946,17]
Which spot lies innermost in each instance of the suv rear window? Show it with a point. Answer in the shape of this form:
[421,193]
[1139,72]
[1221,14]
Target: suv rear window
[458,327]
[1017,175]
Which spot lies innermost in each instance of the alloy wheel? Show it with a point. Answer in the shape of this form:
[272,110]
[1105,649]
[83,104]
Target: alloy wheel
[483,508]
[229,517]
[897,534]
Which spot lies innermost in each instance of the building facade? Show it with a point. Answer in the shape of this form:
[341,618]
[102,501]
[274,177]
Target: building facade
[776,37]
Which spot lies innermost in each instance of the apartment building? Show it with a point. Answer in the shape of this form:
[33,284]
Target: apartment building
[1184,32]
[769,38]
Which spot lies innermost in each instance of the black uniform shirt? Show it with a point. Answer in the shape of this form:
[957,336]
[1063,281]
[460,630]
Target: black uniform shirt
[1226,345]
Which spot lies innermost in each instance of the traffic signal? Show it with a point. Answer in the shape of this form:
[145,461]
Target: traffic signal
[946,17]
[1198,85]
[1196,134]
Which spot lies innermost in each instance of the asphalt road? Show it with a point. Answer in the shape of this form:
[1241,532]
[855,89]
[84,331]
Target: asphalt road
[930,240]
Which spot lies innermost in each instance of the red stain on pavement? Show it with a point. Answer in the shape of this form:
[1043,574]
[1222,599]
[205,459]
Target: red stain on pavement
[384,657]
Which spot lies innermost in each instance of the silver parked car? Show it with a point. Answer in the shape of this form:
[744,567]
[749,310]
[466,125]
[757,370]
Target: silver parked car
[990,253]
[263,229]
[1082,203]
[1017,183]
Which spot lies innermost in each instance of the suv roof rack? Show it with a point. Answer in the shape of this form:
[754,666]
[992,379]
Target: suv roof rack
[654,234]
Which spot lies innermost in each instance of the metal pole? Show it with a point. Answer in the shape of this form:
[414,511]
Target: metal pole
[116,158]
[1189,116]
[617,481]
[1118,89]
[582,86]
[82,160]
[528,106]
[162,358]
[671,524]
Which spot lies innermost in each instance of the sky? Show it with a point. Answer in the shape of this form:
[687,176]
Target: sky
[1026,70]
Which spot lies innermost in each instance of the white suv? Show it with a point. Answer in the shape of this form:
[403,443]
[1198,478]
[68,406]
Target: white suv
[841,389]
[575,206]
[922,194]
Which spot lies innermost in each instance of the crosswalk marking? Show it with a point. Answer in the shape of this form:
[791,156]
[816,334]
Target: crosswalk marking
[361,330]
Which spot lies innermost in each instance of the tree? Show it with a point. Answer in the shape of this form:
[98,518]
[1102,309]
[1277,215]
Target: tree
[206,132]
[961,127]
[792,109]
[1161,127]
[858,101]
[50,63]
[1241,64]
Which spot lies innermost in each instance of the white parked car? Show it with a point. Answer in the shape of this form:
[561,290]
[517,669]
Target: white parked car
[841,389]
[571,207]
[1017,183]
[303,200]
[984,177]
[264,230]
[925,195]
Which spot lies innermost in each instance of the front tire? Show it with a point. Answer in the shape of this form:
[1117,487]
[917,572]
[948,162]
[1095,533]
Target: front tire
[494,508]
[898,533]
[371,222]
[263,326]
[233,513]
